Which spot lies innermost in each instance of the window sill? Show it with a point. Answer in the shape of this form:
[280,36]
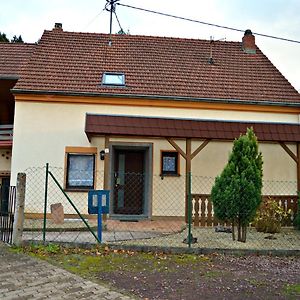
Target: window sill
[169,175]
[77,190]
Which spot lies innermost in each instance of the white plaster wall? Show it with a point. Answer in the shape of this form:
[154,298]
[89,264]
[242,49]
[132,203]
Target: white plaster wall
[43,130]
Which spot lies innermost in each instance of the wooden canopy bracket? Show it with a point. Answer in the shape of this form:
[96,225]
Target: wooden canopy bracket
[175,145]
[289,152]
[202,146]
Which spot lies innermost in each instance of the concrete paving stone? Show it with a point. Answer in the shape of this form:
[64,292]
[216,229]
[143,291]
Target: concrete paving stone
[24,277]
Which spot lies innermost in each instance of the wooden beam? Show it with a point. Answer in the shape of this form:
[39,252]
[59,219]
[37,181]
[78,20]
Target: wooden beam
[290,152]
[197,151]
[173,143]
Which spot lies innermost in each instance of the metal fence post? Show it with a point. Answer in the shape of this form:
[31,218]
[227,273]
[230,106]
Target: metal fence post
[45,203]
[19,214]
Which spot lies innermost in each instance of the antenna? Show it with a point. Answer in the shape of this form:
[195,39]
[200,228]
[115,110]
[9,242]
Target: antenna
[211,43]
[210,60]
[111,7]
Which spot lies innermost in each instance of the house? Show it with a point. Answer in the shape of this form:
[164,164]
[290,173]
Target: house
[143,112]
[13,58]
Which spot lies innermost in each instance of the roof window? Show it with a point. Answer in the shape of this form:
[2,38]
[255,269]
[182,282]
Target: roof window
[114,79]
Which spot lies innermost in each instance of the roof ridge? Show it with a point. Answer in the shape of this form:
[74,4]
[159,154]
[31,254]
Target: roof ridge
[135,36]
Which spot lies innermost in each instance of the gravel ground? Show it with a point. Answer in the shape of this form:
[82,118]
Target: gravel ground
[218,277]
[288,239]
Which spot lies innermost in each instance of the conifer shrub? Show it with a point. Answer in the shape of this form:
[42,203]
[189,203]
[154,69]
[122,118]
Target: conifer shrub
[236,194]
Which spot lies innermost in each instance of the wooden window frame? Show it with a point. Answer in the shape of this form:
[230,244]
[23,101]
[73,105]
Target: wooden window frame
[79,151]
[171,174]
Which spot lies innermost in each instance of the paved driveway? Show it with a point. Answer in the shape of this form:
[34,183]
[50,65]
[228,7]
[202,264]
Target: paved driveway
[24,277]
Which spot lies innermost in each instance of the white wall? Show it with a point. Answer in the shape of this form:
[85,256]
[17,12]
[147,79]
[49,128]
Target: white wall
[43,130]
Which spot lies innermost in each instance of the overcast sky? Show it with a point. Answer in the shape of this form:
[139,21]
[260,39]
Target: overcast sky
[30,18]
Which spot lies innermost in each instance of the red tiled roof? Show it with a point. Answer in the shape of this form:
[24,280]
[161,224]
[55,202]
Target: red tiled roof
[14,57]
[71,62]
[97,125]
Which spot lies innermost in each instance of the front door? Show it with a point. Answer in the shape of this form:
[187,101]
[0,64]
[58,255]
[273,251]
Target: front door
[129,182]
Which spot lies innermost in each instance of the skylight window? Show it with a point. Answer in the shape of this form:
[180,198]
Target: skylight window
[114,79]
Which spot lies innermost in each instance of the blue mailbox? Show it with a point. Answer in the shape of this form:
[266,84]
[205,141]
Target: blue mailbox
[96,197]
[98,203]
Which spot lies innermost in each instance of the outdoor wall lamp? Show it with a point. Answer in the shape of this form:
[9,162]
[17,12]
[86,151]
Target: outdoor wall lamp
[102,154]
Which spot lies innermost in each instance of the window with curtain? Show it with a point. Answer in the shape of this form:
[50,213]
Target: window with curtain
[80,171]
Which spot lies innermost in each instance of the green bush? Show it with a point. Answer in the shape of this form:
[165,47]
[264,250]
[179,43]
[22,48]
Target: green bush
[270,217]
[236,194]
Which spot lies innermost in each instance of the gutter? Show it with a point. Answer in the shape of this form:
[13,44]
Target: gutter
[157,97]
[10,77]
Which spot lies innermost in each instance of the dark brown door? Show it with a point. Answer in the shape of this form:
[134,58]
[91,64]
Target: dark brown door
[129,181]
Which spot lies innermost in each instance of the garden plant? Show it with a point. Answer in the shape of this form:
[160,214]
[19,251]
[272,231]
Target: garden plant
[236,194]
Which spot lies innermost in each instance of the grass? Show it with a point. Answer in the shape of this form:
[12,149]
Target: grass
[292,290]
[89,262]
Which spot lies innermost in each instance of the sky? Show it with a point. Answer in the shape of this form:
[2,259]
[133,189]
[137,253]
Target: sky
[281,18]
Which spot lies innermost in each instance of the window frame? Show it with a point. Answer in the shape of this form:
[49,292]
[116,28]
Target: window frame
[80,151]
[174,153]
[104,83]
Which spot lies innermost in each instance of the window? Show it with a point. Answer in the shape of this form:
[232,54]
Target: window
[169,163]
[80,168]
[114,79]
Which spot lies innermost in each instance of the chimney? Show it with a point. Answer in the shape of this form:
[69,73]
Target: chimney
[58,26]
[248,42]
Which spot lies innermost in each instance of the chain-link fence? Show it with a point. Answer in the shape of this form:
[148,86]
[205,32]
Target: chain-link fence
[146,211]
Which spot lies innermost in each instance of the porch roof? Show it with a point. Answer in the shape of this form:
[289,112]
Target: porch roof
[99,125]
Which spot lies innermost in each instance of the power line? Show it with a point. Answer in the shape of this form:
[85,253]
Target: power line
[206,23]
[121,29]
[94,19]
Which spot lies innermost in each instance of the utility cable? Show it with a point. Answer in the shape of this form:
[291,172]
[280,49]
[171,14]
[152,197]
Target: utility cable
[94,19]
[206,23]
[121,29]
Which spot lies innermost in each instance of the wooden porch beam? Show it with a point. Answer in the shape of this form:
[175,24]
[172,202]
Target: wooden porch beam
[290,152]
[174,144]
[197,151]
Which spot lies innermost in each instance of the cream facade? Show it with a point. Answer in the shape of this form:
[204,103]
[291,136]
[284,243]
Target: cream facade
[43,130]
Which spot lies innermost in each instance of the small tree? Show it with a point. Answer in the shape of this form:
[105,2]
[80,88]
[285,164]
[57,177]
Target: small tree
[16,39]
[236,194]
[3,38]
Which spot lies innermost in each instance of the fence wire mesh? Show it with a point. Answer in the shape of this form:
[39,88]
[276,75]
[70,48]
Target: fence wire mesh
[147,211]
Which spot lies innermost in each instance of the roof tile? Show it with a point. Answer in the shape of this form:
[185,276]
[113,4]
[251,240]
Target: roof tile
[202,129]
[70,62]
